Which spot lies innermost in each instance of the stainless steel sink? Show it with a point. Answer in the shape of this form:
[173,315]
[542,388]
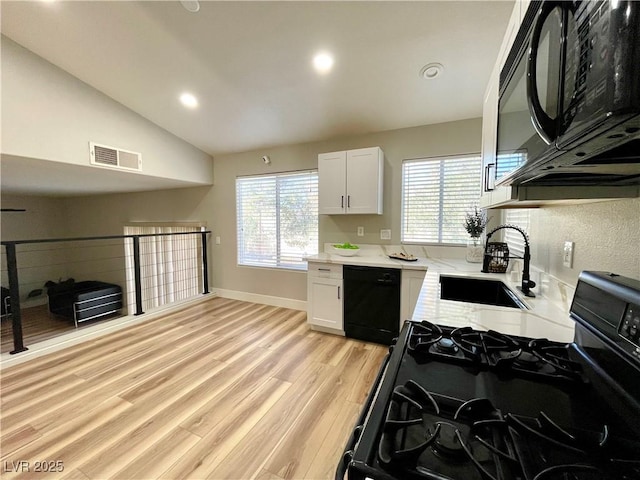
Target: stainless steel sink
[476,290]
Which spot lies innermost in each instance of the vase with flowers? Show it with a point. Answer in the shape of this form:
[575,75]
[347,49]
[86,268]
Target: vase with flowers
[475,221]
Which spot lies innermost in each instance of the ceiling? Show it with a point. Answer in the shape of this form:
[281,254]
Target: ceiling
[250,63]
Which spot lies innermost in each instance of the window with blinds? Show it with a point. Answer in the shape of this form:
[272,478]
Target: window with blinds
[436,194]
[277,219]
[521,218]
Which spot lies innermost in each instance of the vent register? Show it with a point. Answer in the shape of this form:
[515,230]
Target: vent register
[105,156]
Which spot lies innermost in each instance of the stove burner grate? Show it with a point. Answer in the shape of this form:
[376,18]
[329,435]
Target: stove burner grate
[547,451]
[423,336]
[493,350]
[428,434]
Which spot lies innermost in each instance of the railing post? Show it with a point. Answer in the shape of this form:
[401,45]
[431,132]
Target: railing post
[14,293]
[205,268]
[137,275]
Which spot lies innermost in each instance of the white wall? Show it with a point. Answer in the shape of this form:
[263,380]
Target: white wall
[43,218]
[51,115]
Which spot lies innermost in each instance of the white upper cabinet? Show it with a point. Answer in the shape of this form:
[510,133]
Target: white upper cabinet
[351,182]
[490,115]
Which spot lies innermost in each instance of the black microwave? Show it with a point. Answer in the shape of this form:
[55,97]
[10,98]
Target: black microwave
[569,96]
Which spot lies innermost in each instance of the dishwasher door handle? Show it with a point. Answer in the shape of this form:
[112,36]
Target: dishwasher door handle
[386,280]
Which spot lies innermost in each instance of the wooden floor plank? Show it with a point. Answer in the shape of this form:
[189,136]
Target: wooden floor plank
[249,457]
[212,449]
[293,455]
[164,421]
[48,446]
[220,389]
[151,462]
[332,445]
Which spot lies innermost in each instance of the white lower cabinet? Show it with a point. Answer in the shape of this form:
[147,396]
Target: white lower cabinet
[325,295]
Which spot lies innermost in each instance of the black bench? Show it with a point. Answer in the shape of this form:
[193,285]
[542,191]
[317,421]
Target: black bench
[85,300]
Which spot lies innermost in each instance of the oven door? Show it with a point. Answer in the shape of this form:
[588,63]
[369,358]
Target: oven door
[364,471]
[529,93]
[359,458]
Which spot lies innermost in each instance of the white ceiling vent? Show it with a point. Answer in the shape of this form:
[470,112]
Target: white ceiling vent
[105,156]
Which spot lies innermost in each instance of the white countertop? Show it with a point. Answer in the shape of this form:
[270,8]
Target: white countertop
[547,316]
[368,259]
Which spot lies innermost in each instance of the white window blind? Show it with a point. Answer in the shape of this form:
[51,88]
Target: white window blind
[436,194]
[170,266]
[519,217]
[277,219]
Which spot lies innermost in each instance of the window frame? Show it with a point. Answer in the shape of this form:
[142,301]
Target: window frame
[279,264]
[442,159]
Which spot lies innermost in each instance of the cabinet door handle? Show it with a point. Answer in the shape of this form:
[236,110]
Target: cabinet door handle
[348,201]
[489,185]
[338,293]
[342,201]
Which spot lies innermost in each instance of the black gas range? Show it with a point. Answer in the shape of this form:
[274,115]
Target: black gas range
[462,404]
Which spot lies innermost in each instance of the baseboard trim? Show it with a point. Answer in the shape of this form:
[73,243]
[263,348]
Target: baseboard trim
[264,299]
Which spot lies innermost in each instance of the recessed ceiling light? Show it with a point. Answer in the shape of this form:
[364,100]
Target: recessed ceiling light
[191,5]
[431,71]
[323,62]
[188,100]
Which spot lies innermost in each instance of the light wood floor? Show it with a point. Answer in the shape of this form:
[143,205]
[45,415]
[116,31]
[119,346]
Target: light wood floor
[38,325]
[223,389]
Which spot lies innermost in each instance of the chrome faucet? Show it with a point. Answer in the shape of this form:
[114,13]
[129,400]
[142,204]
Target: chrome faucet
[527,284]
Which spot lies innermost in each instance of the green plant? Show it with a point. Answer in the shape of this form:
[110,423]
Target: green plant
[475,221]
[347,246]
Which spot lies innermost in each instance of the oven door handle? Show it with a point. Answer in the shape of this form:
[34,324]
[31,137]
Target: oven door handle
[543,123]
[347,455]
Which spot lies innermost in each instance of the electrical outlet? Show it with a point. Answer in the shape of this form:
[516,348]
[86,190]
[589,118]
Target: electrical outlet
[385,234]
[217,240]
[361,231]
[567,254]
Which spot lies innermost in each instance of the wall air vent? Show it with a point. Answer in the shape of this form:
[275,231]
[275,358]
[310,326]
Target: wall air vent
[105,156]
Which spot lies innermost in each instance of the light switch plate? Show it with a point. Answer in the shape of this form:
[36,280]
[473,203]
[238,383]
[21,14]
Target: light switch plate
[361,231]
[385,234]
[567,254]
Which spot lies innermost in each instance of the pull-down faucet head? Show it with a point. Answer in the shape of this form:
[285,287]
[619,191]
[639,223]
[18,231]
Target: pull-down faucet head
[527,284]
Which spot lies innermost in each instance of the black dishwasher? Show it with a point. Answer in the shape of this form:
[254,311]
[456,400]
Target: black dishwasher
[371,303]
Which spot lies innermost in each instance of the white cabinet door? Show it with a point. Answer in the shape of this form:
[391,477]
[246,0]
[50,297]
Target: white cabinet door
[489,135]
[332,183]
[364,180]
[492,195]
[324,297]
